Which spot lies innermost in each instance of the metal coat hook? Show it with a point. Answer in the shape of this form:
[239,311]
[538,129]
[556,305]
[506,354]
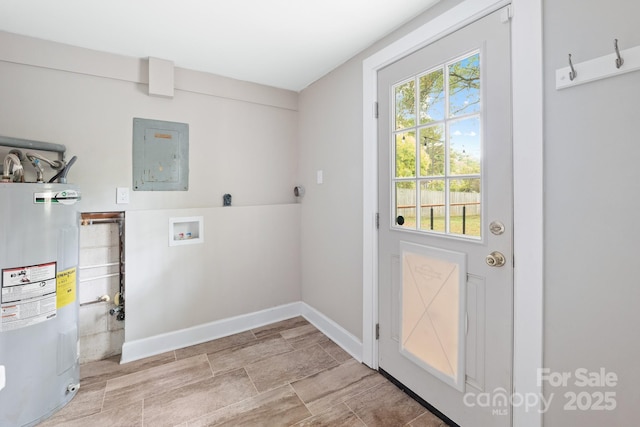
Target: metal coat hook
[619,60]
[572,74]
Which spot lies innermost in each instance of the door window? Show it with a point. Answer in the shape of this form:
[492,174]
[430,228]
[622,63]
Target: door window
[437,150]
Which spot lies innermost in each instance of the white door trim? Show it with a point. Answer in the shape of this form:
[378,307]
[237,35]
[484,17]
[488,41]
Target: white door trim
[528,182]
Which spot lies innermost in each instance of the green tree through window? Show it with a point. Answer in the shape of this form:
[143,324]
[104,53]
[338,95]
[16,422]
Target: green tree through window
[437,141]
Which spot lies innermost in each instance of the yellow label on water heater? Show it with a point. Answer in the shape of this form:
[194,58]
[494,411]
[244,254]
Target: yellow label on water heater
[66,287]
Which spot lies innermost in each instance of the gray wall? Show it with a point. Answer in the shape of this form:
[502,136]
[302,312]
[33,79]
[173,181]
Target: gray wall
[330,128]
[242,135]
[591,205]
[242,141]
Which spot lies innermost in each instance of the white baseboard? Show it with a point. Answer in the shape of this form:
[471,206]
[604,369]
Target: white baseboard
[337,333]
[157,344]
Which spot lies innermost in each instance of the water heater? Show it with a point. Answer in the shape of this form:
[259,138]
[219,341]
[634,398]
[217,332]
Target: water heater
[39,347]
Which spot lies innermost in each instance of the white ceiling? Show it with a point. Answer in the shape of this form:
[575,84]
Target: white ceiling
[282,43]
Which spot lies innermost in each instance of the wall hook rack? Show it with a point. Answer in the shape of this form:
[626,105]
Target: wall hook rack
[599,68]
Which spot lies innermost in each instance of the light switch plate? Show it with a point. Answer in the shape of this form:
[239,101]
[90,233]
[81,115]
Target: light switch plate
[319,177]
[122,195]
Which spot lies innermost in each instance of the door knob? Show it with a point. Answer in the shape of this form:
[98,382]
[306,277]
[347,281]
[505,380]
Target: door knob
[495,259]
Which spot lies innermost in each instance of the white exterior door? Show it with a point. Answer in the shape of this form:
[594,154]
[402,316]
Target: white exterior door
[445,226]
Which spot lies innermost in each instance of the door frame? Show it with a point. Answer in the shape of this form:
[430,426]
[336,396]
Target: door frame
[527,104]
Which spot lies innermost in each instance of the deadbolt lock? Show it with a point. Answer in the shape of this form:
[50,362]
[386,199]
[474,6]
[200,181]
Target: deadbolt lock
[496,227]
[495,259]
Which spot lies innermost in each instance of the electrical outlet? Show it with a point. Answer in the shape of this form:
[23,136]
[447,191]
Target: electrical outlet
[122,195]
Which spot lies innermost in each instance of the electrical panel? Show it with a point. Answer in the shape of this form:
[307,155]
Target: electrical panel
[160,155]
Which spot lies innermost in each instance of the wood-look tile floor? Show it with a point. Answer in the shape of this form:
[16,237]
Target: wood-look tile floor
[284,374]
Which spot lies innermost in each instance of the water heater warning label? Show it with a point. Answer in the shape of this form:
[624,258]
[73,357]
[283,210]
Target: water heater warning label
[28,295]
[66,287]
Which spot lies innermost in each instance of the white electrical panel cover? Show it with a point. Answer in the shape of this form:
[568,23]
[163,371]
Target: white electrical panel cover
[160,155]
